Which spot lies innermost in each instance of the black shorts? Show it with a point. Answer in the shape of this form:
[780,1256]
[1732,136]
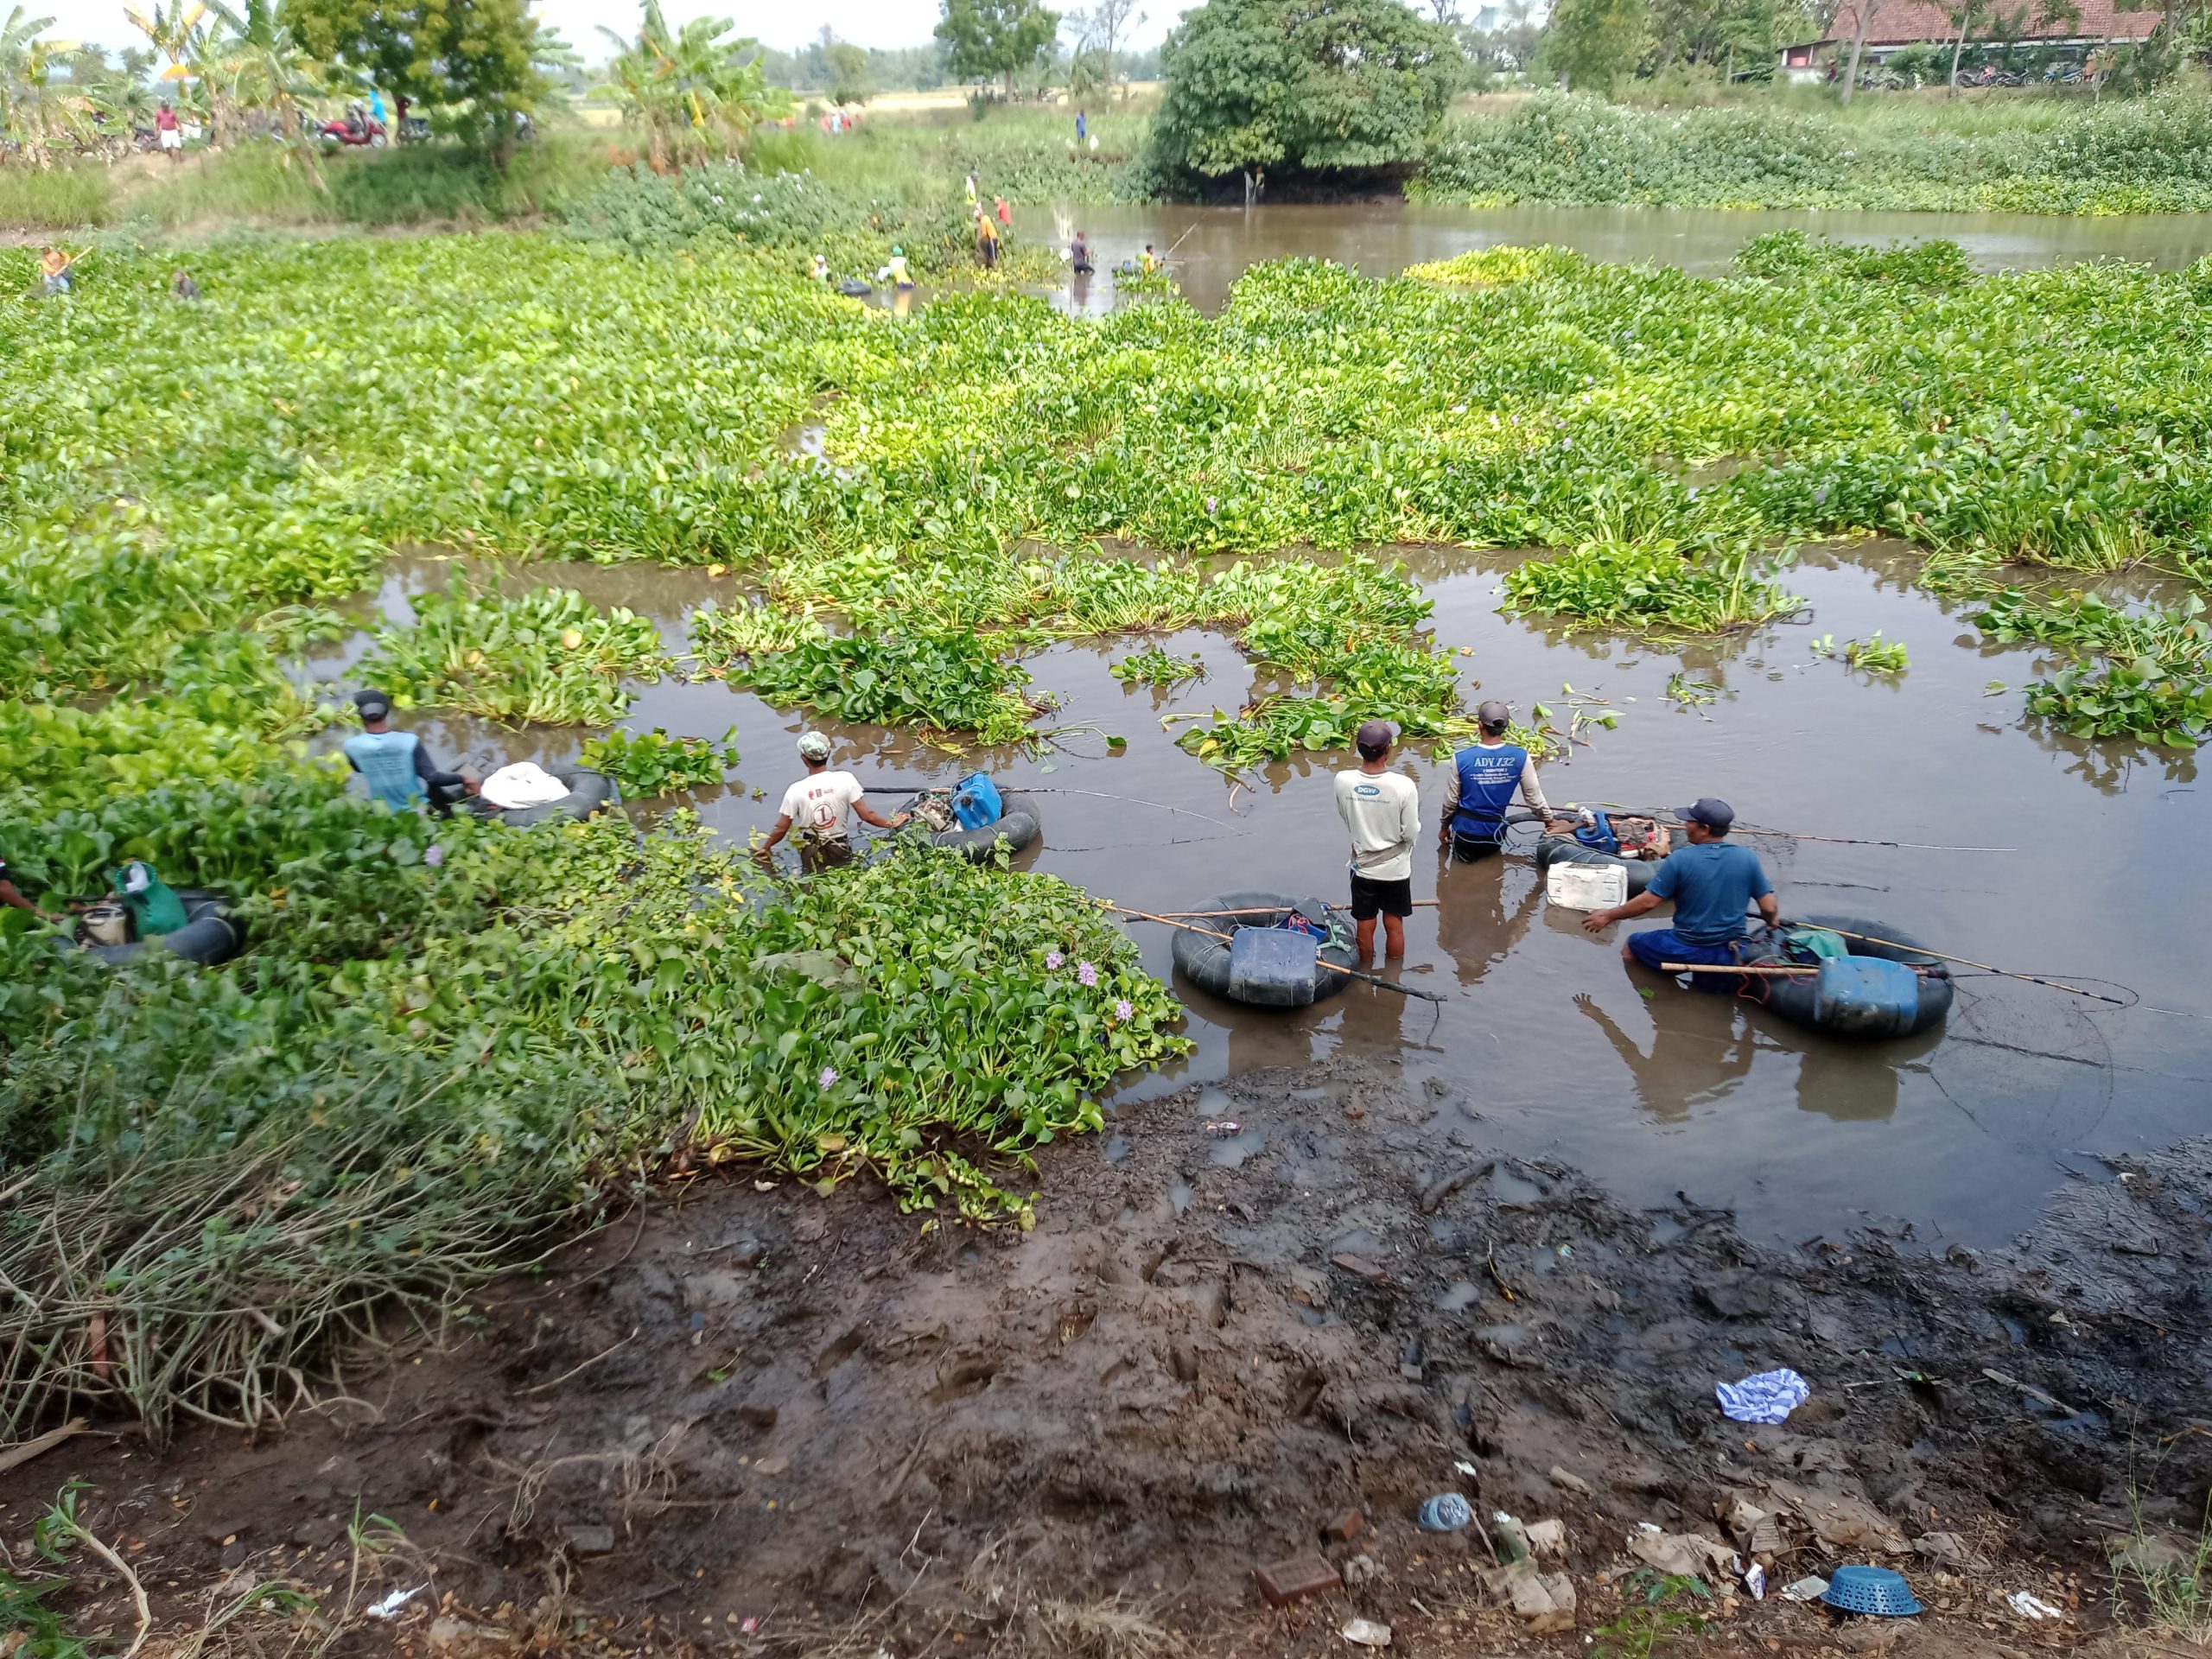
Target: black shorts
[1370,898]
[1470,848]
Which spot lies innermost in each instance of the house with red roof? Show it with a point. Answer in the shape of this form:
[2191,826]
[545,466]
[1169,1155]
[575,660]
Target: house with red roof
[1893,24]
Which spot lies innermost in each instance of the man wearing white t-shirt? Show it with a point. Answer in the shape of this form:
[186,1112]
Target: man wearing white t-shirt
[814,811]
[1381,809]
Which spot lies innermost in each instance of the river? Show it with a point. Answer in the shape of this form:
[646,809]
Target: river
[1547,1046]
[1211,246]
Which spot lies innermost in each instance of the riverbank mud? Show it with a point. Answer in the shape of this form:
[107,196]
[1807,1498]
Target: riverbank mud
[1261,1319]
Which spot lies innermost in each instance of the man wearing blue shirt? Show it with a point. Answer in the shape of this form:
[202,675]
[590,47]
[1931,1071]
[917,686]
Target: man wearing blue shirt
[1712,883]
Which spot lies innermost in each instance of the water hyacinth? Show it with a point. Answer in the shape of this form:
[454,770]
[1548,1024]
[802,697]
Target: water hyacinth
[1087,974]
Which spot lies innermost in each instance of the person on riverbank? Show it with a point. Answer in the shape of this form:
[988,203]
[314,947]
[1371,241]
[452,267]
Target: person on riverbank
[169,133]
[987,240]
[817,806]
[1712,881]
[1381,809]
[1082,126]
[1481,785]
[1079,255]
[396,765]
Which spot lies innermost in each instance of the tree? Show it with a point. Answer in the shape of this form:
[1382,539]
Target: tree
[1594,43]
[848,73]
[995,40]
[469,58]
[1286,83]
[1100,32]
[695,91]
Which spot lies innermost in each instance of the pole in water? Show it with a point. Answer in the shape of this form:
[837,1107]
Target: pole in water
[1969,962]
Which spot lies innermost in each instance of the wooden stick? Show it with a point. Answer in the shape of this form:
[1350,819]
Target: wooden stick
[15,1456]
[1969,962]
[1723,968]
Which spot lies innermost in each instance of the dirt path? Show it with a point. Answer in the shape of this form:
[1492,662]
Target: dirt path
[857,1430]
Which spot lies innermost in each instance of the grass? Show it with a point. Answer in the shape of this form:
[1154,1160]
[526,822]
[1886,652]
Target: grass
[2169,1581]
[260,184]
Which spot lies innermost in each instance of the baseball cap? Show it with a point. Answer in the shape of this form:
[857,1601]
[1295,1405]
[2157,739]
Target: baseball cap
[814,747]
[1494,713]
[373,705]
[1716,816]
[1377,735]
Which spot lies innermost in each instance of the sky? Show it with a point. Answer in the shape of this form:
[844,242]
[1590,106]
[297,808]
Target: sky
[777,22]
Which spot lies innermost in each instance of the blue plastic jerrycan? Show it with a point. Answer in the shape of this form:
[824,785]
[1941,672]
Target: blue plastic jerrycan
[976,802]
[1866,997]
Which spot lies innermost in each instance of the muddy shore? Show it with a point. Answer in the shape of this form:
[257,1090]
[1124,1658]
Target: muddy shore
[746,1416]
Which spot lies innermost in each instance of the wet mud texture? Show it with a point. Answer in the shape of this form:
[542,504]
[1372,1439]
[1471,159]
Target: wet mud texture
[745,1404]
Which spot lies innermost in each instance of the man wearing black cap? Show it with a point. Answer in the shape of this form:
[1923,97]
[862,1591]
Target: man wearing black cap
[1481,785]
[1712,882]
[1381,809]
[395,767]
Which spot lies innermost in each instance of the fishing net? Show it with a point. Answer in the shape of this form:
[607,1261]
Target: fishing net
[2031,1065]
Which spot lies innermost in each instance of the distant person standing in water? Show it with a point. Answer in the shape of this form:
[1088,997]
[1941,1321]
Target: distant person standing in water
[815,807]
[987,240]
[1079,255]
[54,267]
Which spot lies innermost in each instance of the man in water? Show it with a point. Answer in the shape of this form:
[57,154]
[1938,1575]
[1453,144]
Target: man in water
[816,806]
[1381,809]
[902,278]
[1481,784]
[395,767]
[1150,263]
[987,240]
[1711,881]
[1079,255]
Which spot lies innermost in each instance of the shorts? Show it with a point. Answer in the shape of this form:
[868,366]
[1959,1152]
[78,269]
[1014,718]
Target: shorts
[1369,899]
[171,139]
[1656,946]
[1468,848]
[824,853]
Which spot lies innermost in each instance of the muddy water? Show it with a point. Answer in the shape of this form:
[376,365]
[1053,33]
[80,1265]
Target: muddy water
[1212,245]
[1546,1038]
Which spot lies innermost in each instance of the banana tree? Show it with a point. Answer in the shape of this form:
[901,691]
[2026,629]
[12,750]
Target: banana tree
[695,90]
[260,65]
[18,41]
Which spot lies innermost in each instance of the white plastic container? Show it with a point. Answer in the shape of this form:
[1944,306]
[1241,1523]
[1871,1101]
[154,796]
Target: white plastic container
[1586,887]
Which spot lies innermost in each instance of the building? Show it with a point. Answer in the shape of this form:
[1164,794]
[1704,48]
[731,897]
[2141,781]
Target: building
[1894,24]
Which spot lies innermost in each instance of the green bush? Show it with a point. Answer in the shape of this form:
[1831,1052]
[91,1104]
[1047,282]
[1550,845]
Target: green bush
[64,198]
[2125,155]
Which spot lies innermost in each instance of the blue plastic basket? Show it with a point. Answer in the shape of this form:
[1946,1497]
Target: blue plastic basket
[1872,1590]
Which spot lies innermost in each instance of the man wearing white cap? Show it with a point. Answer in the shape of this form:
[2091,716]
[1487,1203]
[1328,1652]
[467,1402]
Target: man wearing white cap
[816,807]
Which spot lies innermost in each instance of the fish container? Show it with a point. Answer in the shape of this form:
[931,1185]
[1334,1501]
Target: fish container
[1866,997]
[1273,967]
[1586,887]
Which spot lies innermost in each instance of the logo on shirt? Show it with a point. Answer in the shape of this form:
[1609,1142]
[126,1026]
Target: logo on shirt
[1365,789]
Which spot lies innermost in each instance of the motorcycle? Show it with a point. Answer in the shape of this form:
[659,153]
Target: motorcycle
[353,133]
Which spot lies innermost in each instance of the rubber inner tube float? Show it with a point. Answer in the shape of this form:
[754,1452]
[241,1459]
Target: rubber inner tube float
[210,934]
[1566,849]
[1879,990]
[1206,963]
[588,790]
[1016,829]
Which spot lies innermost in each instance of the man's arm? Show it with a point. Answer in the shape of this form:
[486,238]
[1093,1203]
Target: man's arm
[766,849]
[1409,816]
[1532,792]
[1769,912]
[868,814]
[1642,905]
[1451,806]
[14,900]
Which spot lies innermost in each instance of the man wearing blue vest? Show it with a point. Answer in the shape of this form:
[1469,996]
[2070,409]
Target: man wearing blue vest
[395,767]
[1713,883]
[1481,784]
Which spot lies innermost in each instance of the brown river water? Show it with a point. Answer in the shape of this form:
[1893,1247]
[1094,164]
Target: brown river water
[1559,1049]
[1210,247]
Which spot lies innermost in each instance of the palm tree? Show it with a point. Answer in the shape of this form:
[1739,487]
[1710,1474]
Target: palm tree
[692,90]
[261,65]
